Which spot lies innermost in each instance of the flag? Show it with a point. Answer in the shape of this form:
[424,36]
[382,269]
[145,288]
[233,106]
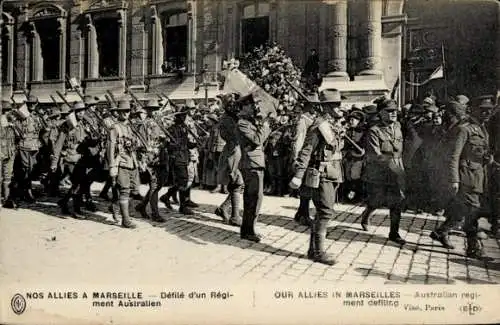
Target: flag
[437,74]
[238,82]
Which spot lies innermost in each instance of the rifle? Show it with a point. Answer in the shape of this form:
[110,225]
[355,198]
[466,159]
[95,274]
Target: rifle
[160,125]
[345,136]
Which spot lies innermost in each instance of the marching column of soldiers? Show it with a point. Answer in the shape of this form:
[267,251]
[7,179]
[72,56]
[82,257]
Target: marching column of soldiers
[442,159]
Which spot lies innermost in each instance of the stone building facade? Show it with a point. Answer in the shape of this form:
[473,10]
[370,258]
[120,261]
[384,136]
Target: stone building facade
[163,46]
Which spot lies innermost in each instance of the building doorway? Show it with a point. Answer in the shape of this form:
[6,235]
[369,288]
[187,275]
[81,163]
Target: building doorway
[254,26]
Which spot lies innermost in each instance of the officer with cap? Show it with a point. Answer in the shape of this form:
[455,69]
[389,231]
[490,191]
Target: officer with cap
[306,120]
[466,159]
[122,162]
[353,162]
[67,148]
[28,146]
[319,167]
[155,167]
[253,131]
[7,154]
[384,171]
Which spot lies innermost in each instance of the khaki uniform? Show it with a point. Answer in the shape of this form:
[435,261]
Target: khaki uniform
[7,155]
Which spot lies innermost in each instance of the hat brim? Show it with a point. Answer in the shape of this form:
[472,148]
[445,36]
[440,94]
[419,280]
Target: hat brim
[152,108]
[488,106]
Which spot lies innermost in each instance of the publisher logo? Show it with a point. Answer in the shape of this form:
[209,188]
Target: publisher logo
[18,304]
[471,309]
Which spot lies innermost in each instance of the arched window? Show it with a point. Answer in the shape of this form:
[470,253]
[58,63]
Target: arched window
[254,25]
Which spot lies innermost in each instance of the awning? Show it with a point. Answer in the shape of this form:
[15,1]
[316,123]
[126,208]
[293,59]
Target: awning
[358,92]
[50,98]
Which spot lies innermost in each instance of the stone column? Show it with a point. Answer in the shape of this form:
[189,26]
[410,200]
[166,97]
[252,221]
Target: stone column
[22,50]
[61,30]
[157,55]
[92,50]
[371,31]
[337,63]
[137,59]
[122,51]
[76,45]
[10,53]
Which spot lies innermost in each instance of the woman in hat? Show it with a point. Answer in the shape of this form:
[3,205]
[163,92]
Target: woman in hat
[122,162]
[7,155]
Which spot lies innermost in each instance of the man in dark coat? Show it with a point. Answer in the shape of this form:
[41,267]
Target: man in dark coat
[384,171]
[228,173]
[465,159]
[253,131]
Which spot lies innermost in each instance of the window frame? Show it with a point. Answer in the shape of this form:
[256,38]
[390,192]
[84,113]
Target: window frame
[257,14]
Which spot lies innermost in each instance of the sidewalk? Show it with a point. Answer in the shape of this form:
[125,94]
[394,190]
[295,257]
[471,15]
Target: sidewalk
[38,246]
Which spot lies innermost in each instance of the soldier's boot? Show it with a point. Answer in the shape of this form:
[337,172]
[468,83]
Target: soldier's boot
[223,189]
[474,249]
[319,238]
[365,218]
[171,193]
[183,208]
[223,210]
[302,216]
[104,192]
[124,209]
[89,204]
[189,202]
[153,202]
[115,211]
[394,232]
[310,251]
[28,195]
[442,238]
[63,204]
[77,204]
[8,202]
[235,219]
[247,229]
[141,207]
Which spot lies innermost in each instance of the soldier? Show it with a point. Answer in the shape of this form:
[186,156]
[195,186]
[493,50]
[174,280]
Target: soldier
[194,155]
[28,144]
[7,154]
[154,165]
[122,162]
[67,147]
[181,154]
[384,171]
[305,121]
[319,167]
[215,147]
[353,162]
[59,118]
[494,171]
[466,156]
[253,131]
[228,170]
[108,121]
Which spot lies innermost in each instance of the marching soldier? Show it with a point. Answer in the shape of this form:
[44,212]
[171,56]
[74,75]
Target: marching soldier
[319,167]
[149,158]
[494,171]
[466,157]
[67,148]
[194,154]
[28,144]
[384,171]
[306,120]
[228,170]
[253,132]
[122,162]
[353,162]
[183,167]
[7,154]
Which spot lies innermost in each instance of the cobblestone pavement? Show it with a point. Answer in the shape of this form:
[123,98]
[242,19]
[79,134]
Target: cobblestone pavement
[38,246]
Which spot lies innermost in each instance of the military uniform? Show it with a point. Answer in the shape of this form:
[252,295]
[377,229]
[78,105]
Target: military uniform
[154,161]
[319,167]
[122,162]
[28,144]
[494,172]
[353,161]
[67,156]
[182,156]
[466,155]
[304,123]
[384,171]
[252,137]
[228,170]
[7,154]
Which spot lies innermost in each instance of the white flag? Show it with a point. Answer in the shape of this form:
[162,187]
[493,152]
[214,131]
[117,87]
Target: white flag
[437,74]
